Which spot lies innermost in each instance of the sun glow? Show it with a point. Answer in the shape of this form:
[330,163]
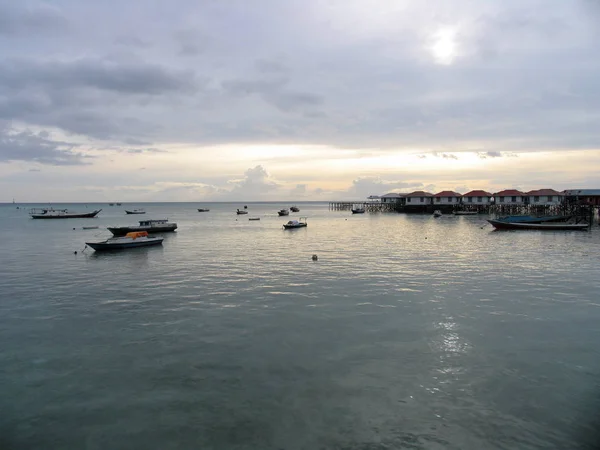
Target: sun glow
[443,47]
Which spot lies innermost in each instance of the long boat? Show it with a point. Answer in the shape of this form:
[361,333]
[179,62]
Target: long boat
[552,226]
[534,219]
[135,211]
[51,213]
[150,226]
[131,240]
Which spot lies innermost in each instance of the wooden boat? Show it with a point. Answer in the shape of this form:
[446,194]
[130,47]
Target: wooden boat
[358,210]
[533,219]
[283,212]
[149,226]
[130,240]
[135,211]
[295,209]
[465,213]
[239,211]
[437,213]
[203,210]
[50,213]
[292,224]
[254,218]
[555,226]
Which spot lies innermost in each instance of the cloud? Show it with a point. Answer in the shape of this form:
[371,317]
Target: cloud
[41,18]
[29,146]
[444,155]
[143,150]
[364,186]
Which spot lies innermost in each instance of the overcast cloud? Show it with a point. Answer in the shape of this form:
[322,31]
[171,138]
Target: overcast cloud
[433,78]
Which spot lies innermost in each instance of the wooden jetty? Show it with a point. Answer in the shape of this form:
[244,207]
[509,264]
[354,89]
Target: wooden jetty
[580,213]
[372,207]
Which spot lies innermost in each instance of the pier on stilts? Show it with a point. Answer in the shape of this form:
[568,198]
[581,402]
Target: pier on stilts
[372,207]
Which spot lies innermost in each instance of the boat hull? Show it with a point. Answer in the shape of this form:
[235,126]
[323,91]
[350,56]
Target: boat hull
[66,215]
[104,246]
[122,231]
[135,212]
[291,227]
[203,210]
[358,211]
[552,226]
[283,214]
[533,219]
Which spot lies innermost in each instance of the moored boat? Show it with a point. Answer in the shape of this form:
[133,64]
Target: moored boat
[254,218]
[300,223]
[130,240]
[437,213]
[552,226]
[534,219]
[240,211]
[135,211]
[150,226]
[294,209]
[51,213]
[283,212]
[358,210]
[203,210]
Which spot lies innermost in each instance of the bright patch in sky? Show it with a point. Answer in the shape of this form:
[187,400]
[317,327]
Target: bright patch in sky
[444,46]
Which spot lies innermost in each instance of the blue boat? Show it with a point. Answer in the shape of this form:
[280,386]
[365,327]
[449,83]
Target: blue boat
[532,219]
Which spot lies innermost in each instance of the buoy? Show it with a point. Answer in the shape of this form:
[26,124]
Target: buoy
[75,252]
[315,257]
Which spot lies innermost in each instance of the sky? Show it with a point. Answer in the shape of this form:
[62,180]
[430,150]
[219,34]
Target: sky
[224,100]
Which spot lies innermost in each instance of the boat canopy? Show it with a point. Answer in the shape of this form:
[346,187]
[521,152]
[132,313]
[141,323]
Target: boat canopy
[136,234]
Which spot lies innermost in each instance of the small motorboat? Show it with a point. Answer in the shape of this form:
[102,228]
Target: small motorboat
[358,210]
[465,213]
[240,211]
[149,226]
[295,209]
[300,223]
[135,211]
[545,226]
[437,213]
[283,212]
[50,213]
[254,218]
[203,210]
[130,240]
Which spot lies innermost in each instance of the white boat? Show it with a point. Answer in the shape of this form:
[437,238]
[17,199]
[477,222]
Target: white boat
[300,223]
[358,210]
[135,211]
[51,213]
[240,211]
[437,213]
[130,240]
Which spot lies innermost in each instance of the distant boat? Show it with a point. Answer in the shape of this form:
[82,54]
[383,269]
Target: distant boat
[50,213]
[118,204]
[296,224]
[358,210]
[283,212]
[465,213]
[90,228]
[254,218]
[111,204]
[150,226]
[437,213]
[130,240]
[135,211]
[552,226]
[203,210]
[239,211]
[245,206]
[295,209]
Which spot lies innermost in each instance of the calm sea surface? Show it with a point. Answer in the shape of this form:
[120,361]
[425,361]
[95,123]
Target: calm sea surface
[408,332]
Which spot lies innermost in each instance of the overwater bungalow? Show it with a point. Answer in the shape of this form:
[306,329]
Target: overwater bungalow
[477,197]
[544,197]
[510,197]
[419,198]
[447,198]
